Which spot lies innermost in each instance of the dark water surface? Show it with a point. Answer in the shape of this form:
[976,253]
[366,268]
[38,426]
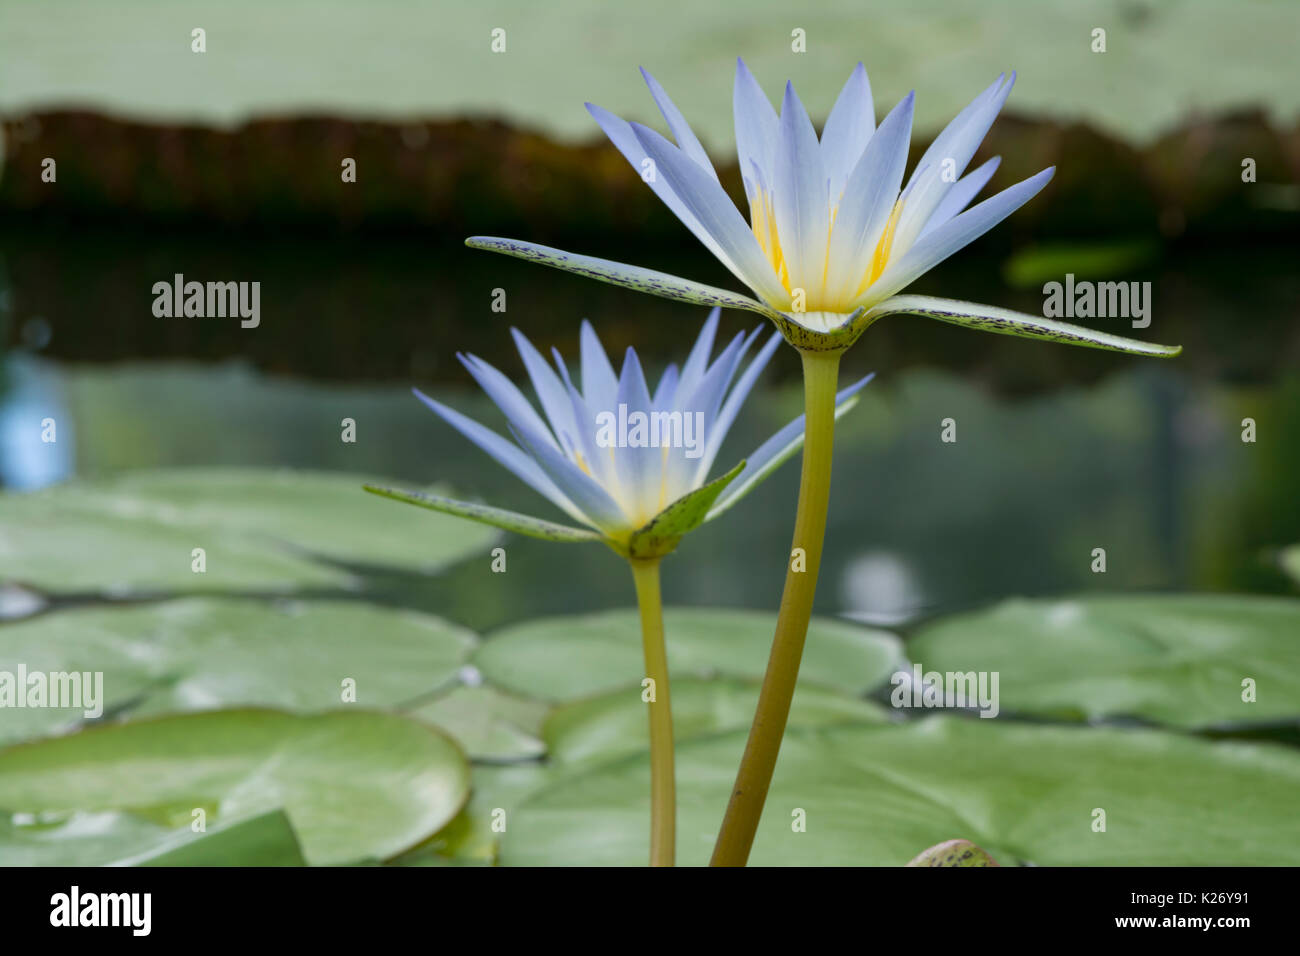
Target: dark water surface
[1059,451]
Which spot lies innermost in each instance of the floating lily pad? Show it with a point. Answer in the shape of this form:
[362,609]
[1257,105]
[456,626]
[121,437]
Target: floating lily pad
[609,726]
[354,784]
[565,658]
[260,530]
[209,653]
[490,724]
[476,833]
[81,839]
[265,840]
[1173,659]
[86,647]
[870,795]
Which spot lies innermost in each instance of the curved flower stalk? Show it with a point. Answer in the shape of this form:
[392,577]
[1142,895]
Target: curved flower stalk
[631,468]
[834,234]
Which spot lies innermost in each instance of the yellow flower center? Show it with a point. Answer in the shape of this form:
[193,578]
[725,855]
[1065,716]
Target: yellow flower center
[762,219]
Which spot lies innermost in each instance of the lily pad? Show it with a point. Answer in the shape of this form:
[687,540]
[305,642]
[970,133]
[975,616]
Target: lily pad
[476,833]
[266,840]
[209,653]
[870,795]
[354,784]
[565,658]
[609,726]
[1172,659]
[490,724]
[81,839]
[260,530]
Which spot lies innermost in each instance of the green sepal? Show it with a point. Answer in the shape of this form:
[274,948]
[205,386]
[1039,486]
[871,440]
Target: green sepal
[486,514]
[664,530]
[989,318]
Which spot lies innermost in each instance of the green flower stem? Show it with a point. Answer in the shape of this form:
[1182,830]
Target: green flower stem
[820,372]
[663,793]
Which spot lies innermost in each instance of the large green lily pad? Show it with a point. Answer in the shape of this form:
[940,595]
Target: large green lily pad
[265,840]
[609,726]
[565,658]
[209,653]
[475,835]
[354,784]
[878,795]
[260,530]
[490,724]
[1173,659]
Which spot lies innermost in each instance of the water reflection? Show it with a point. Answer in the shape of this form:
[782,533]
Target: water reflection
[36,433]
[879,588]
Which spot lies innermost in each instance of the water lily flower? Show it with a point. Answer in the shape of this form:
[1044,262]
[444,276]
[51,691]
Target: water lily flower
[631,467]
[834,234]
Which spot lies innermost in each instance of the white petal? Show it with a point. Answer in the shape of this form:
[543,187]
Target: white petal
[947,159]
[961,194]
[599,383]
[681,129]
[757,128]
[848,130]
[637,468]
[517,409]
[697,362]
[505,454]
[711,205]
[600,509]
[735,399]
[956,233]
[550,390]
[621,135]
[799,199]
[869,198]
[666,391]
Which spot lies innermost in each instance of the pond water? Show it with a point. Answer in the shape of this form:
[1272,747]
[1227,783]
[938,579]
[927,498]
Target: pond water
[1145,463]
[1058,451]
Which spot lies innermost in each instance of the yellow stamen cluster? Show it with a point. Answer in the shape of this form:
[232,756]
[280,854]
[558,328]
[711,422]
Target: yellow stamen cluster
[762,218]
[880,258]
